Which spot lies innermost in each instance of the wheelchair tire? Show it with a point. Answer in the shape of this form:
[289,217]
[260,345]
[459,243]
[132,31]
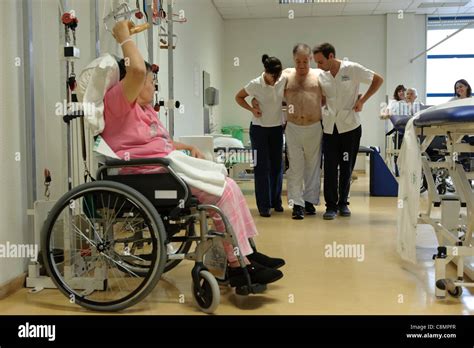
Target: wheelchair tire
[183,248]
[456,293]
[424,184]
[92,273]
[207,294]
[441,188]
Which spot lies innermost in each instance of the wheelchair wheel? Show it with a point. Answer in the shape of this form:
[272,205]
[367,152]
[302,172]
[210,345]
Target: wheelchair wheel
[207,293]
[140,265]
[424,184]
[456,293]
[179,247]
[99,226]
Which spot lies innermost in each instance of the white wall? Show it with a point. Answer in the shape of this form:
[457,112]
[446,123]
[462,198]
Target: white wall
[406,38]
[381,43]
[13,202]
[200,47]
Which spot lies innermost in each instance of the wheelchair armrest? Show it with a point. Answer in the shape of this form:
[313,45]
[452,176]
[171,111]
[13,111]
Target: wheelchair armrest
[112,162]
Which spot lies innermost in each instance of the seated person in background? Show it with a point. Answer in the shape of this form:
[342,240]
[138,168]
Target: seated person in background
[462,90]
[396,104]
[133,127]
[413,104]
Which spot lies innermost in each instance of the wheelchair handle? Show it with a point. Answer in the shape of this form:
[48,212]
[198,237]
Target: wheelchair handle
[139,28]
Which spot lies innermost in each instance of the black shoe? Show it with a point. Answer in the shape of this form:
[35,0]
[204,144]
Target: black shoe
[344,210]
[258,275]
[298,212]
[329,214]
[264,260]
[279,209]
[265,213]
[309,208]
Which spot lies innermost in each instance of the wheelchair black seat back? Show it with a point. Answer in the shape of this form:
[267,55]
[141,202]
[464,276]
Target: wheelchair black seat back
[161,189]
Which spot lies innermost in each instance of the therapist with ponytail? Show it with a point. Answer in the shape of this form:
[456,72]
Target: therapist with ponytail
[266,133]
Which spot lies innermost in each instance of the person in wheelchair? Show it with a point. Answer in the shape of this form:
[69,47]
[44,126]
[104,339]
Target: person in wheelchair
[132,129]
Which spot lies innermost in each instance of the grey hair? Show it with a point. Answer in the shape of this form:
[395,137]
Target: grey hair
[413,90]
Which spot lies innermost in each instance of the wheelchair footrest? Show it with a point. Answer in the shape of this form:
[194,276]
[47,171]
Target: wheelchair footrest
[252,289]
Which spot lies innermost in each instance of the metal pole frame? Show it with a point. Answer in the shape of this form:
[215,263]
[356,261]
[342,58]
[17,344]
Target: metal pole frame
[170,70]
[29,102]
[149,12]
[95,16]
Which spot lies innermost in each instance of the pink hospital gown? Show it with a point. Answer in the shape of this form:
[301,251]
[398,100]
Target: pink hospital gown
[135,132]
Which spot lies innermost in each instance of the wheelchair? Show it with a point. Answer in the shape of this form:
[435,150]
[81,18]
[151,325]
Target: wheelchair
[118,234]
[436,152]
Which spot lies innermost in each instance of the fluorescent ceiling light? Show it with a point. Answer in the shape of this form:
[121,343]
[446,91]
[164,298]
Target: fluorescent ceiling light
[443,4]
[286,2]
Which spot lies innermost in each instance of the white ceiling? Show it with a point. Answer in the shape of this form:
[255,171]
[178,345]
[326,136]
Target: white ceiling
[240,9]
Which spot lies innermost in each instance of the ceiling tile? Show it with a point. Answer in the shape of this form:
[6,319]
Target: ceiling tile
[230,3]
[272,9]
[263,11]
[327,9]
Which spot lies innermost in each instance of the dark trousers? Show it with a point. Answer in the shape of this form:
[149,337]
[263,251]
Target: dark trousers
[340,154]
[267,143]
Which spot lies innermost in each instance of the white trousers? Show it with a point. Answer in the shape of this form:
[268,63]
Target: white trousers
[304,145]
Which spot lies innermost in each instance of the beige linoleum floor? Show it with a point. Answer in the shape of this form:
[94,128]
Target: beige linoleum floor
[313,283]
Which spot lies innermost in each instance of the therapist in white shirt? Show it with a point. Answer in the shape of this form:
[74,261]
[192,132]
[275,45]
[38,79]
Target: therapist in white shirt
[266,133]
[341,123]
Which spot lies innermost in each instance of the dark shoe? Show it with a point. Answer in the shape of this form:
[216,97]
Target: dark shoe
[329,214]
[298,212]
[344,210]
[309,208]
[265,213]
[258,275]
[264,260]
[279,209]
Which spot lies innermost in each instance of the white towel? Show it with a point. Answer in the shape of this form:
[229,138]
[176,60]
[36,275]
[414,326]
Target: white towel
[92,84]
[408,193]
[204,175]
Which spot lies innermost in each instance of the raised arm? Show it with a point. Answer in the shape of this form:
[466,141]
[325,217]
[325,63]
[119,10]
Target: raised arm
[134,62]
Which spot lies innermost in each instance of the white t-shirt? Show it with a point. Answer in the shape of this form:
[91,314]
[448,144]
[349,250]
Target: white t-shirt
[270,99]
[414,108]
[399,108]
[341,95]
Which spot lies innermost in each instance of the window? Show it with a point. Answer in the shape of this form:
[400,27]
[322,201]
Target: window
[452,60]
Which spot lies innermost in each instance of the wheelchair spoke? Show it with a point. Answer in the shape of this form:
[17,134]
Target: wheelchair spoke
[105,244]
[80,233]
[131,240]
[88,220]
[119,263]
[112,269]
[124,223]
[130,225]
[136,257]
[119,279]
[105,209]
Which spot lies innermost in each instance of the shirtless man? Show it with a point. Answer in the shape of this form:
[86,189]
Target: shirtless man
[303,133]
